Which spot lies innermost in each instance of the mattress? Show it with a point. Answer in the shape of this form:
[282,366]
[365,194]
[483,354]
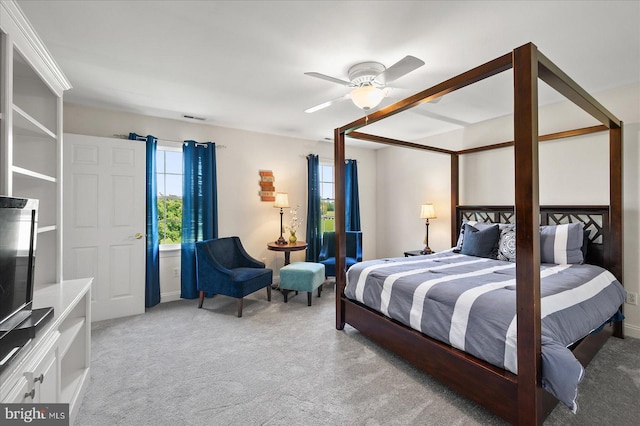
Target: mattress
[470,303]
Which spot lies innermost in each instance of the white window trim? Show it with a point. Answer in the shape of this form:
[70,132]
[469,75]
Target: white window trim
[167,147]
[170,247]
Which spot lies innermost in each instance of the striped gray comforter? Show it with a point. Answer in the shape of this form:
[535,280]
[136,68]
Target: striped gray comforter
[469,303]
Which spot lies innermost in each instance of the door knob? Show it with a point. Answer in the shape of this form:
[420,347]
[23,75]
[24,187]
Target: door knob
[138,236]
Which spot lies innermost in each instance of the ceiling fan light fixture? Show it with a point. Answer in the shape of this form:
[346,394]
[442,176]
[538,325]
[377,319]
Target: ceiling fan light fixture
[367,96]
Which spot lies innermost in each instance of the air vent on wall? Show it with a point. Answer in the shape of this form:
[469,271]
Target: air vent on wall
[192,117]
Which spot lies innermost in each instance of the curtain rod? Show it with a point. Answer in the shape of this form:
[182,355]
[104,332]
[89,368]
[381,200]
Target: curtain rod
[328,160]
[319,158]
[122,136]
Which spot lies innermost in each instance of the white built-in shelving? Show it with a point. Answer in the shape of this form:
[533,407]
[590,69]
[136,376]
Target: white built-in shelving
[31,90]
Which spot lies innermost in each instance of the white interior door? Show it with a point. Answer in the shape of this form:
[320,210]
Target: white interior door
[104,221]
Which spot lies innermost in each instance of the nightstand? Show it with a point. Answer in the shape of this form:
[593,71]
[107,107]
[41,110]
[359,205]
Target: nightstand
[413,253]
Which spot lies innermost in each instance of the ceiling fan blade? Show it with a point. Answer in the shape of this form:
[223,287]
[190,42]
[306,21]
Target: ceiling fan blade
[403,66]
[328,78]
[326,104]
[435,116]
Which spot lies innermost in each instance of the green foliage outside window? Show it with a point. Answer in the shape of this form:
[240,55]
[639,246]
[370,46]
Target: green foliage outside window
[170,219]
[327,211]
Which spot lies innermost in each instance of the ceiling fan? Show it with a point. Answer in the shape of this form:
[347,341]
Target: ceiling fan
[368,81]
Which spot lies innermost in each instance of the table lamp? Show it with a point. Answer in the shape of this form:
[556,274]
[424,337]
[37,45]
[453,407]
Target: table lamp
[427,212]
[282,201]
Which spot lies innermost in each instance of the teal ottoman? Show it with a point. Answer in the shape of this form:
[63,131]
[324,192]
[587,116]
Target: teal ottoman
[301,276]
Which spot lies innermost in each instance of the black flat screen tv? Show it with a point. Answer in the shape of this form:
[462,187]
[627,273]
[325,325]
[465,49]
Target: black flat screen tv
[18,231]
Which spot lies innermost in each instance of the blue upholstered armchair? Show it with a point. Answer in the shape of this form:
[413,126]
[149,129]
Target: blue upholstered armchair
[327,254]
[224,267]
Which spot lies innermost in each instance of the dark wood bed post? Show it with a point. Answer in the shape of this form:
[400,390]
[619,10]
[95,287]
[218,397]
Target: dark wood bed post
[341,238]
[455,196]
[615,255]
[527,208]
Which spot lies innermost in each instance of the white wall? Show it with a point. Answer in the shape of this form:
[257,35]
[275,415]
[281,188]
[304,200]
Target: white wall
[406,179]
[580,164]
[572,171]
[240,210]
[631,224]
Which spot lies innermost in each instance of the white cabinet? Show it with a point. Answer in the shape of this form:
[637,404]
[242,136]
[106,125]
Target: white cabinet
[31,88]
[19,394]
[46,379]
[41,372]
[54,366]
[71,301]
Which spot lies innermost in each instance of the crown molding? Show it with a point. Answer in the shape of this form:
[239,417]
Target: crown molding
[14,22]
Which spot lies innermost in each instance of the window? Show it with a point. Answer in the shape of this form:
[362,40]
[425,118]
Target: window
[169,177]
[327,199]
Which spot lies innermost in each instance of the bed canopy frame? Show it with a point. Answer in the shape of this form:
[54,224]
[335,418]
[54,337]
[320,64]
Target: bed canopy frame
[519,399]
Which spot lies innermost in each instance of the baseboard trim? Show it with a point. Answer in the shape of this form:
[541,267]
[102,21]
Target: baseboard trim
[631,330]
[170,296]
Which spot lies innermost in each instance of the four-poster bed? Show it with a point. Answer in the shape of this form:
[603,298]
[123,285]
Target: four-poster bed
[516,398]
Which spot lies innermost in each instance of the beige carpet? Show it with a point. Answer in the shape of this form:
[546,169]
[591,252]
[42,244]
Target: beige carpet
[286,364]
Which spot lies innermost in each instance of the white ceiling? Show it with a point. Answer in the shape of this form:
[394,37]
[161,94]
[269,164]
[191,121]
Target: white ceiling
[241,64]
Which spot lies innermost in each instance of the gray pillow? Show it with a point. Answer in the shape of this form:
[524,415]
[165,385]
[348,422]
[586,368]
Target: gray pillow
[461,235]
[481,243]
[562,244]
[477,225]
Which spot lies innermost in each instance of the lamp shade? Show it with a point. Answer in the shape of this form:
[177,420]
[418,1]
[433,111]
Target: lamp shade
[426,212]
[367,96]
[282,200]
